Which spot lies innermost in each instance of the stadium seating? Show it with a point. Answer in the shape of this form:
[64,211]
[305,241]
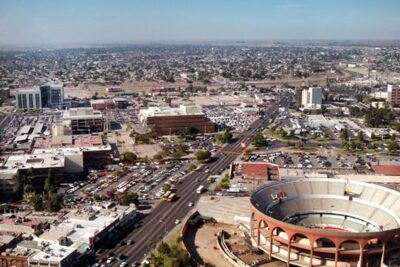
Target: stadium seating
[337,203]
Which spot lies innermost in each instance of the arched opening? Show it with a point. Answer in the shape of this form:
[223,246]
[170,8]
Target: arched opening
[301,248]
[349,252]
[300,240]
[392,251]
[373,252]
[324,252]
[262,233]
[279,241]
[279,233]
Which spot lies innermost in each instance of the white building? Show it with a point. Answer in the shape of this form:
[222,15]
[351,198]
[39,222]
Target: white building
[28,98]
[84,120]
[304,98]
[311,98]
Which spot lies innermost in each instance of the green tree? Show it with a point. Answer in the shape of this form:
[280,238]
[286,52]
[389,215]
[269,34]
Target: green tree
[129,157]
[225,182]
[129,198]
[375,117]
[37,202]
[393,147]
[164,249]
[50,183]
[18,185]
[192,131]
[53,202]
[28,188]
[203,155]
[259,140]
[360,136]
[344,134]
[223,137]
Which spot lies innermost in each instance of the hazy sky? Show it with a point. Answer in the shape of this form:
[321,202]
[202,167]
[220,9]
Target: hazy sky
[27,22]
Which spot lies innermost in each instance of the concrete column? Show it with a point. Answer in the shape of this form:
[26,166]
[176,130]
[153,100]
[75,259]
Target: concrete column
[361,256]
[311,254]
[289,250]
[383,253]
[270,244]
[251,226]
[336,256]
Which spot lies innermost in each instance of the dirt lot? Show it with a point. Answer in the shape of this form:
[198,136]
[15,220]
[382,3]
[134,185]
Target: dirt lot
[215,100]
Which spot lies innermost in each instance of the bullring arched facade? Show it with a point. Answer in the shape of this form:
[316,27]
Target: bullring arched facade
[326,247]
[308,246]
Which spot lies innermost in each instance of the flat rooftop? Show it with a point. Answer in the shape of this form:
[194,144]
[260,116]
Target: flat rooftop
[168,111]
[44,160]
[81,113]
[68,141]
[45,251]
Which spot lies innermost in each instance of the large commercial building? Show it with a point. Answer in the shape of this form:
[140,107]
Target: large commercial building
[298,97]
[84,120]
[28,98]
[102,104]
[261,172]
[393,95]
[167,120]
[327,222]
[63,161]
[312,98]
[52,95]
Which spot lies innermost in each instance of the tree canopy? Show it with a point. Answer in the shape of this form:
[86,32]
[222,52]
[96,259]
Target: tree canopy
[224,137]
[203,155]
[129,157]
[259,140]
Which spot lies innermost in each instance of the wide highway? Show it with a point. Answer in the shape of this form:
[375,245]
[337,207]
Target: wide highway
[162,218]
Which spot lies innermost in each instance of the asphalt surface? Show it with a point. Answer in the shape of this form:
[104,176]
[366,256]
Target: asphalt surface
[162,218]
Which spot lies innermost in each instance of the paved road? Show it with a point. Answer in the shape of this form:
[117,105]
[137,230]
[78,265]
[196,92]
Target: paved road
[162,218]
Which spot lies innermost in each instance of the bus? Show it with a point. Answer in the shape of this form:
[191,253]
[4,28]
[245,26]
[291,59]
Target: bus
[122,185]
[166,195]
[200,189]
[171,197]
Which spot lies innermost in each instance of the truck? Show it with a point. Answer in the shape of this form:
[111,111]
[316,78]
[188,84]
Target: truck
[200,189]
[166,195]
[171,197]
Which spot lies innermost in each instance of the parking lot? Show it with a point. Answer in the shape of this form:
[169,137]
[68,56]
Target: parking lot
[147,180]
[228,116]
[301,160]
[17,122]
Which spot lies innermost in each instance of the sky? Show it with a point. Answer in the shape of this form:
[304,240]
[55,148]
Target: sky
[31,22]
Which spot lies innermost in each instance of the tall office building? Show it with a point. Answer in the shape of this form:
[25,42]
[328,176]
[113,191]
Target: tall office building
[167,120]
[298,97]
[28,98]
[312,98]
[304,98]
[52,95]
[393,95]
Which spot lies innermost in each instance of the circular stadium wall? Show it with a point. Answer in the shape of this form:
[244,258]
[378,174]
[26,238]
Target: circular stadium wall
[327,222]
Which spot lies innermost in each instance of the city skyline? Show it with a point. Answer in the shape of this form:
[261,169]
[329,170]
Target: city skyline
[75,22]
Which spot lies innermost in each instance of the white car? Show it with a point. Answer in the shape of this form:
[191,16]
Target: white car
[177,221]
[110,260]
[190,204]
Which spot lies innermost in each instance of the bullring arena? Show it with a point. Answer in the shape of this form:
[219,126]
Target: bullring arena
[327,222]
